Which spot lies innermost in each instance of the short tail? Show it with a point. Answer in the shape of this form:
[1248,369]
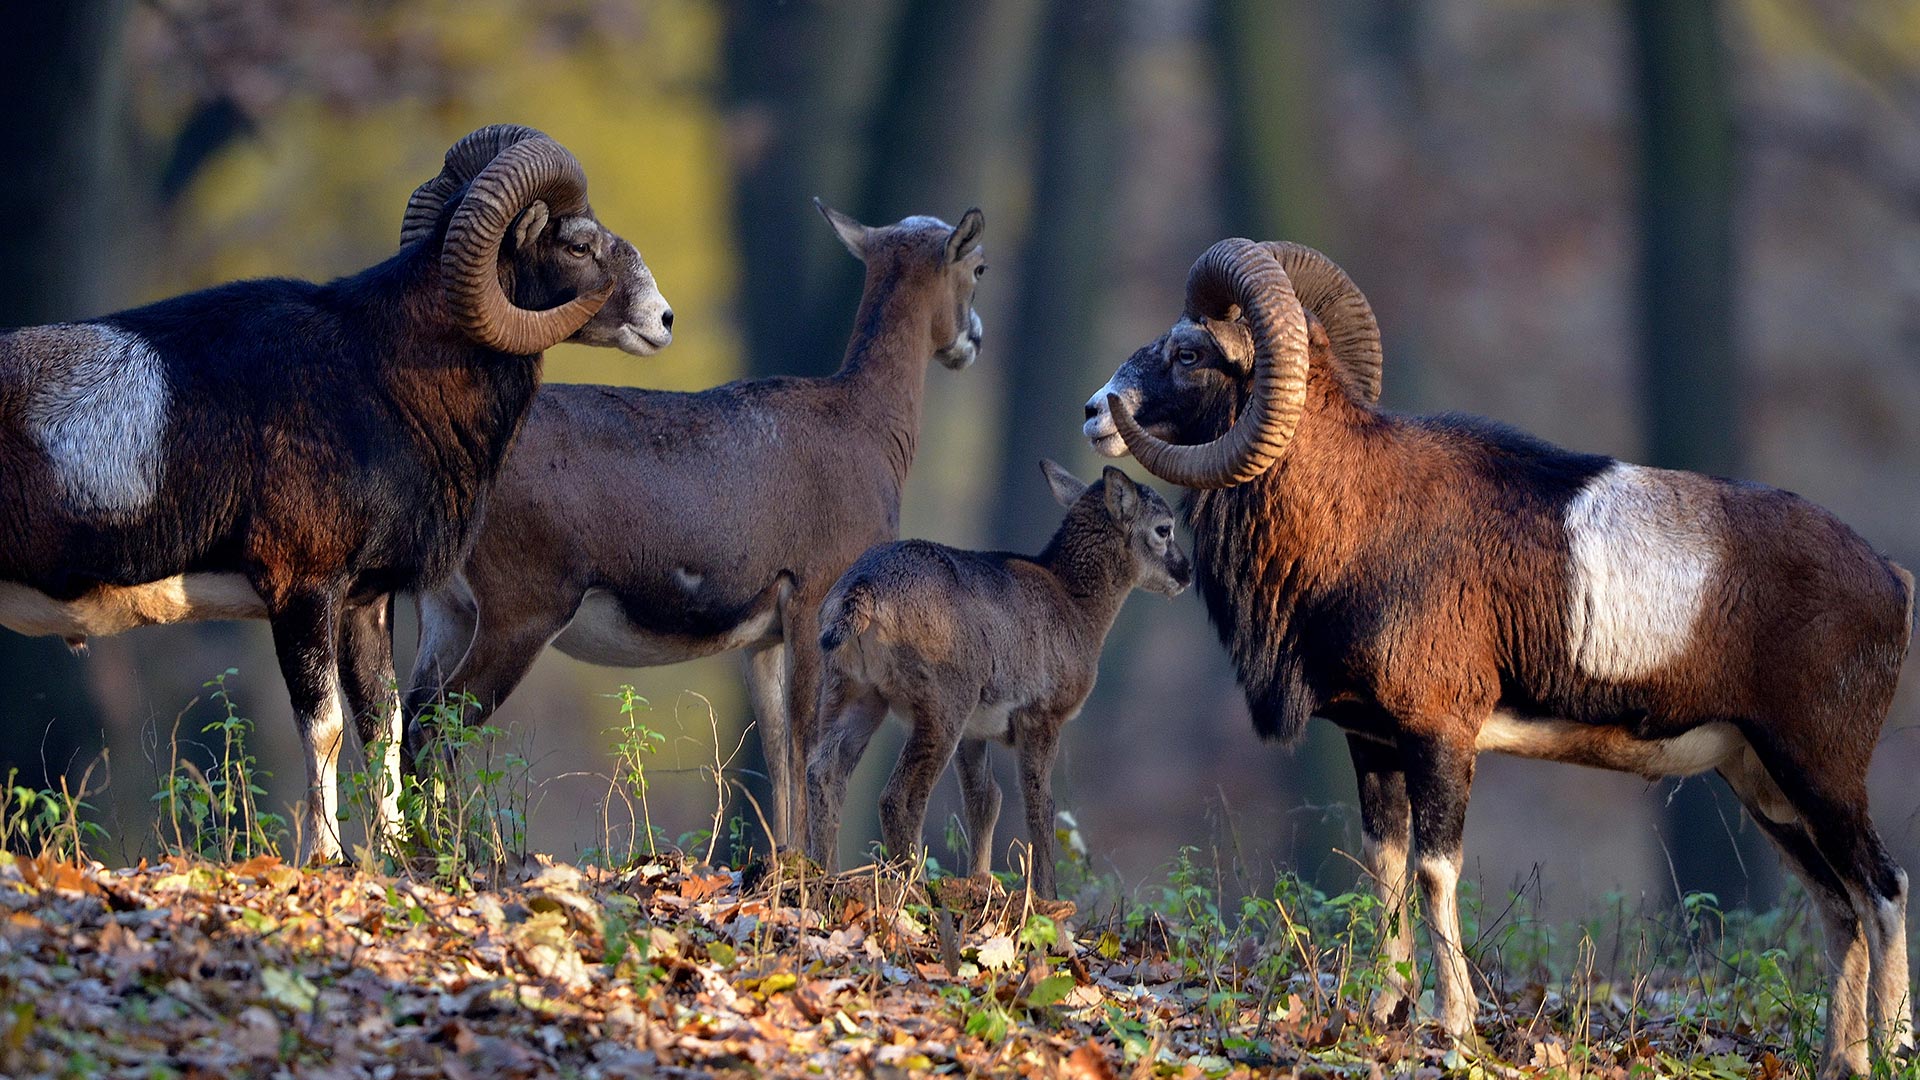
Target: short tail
[850,610]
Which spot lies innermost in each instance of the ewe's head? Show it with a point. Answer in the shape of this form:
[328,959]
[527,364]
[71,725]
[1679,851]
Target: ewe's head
[1239,356]
[1134,511]
[928,254]
[525,263]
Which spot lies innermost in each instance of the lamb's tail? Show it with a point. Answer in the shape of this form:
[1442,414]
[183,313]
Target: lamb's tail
[849,610]
[1906,579]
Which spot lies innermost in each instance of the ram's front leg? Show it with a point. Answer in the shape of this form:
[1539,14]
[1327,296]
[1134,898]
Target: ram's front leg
[1385,826]
[306,632]
[1439,770]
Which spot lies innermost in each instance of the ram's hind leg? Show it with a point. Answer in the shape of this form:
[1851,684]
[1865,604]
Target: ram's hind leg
[1386,826]
[1845,1049]
[1829,794]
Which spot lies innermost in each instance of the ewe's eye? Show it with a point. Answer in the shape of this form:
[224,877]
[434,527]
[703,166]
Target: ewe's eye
[1187,357]
[579,251]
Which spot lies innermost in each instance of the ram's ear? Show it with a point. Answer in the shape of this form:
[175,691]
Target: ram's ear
[531,223]
[966,235]
[1067,488]
[851,233]
[1123,498]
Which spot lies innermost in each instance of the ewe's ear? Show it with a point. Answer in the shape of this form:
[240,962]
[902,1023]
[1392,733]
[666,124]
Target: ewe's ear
[1123,499]
[532,222]
[1066,487]
[851,233]
[966,235]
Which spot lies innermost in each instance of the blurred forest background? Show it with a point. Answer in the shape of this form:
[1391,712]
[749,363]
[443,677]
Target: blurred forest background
[1684,233]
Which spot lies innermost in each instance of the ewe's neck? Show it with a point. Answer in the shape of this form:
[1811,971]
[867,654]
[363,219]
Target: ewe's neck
[886,364]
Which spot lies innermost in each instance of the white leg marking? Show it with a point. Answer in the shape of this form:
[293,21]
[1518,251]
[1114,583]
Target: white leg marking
[1844,1052]
[1645,545]
[1387,863]
[1453,983]
[99,409]
[321,836]
[1891,1003]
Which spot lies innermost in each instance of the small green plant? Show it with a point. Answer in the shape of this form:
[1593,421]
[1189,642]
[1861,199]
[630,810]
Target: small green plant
[214,813]
[47,822]
[635,744]
[463,808]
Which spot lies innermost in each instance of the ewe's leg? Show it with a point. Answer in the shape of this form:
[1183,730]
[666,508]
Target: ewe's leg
[851,714]
[447,618]
[306,634]
[767,686]
[1385,827]
[1439,777]
[1039,741]
[903,805]
[981,793]
[800,621]
[366,677]
[505,645]
[1845,1050]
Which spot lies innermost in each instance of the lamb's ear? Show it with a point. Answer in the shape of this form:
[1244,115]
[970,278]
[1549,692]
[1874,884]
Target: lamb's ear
[966,235]
[851,233]
[1123,498]
[533,222]
[1066,487]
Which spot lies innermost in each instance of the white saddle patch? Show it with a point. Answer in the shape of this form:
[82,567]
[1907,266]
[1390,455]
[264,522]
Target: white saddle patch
[110,609]
[1645,548]
[98,407]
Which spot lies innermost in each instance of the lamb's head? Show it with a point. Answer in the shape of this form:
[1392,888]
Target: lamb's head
[928,254]
[1231,375]
[1133,511]
[525,263]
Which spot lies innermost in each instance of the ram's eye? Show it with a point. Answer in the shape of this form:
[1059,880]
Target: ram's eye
[1187,357]
[579,251]
[980,271]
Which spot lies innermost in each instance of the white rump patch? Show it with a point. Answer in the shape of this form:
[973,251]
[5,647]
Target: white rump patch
[98,407]
[1644,550]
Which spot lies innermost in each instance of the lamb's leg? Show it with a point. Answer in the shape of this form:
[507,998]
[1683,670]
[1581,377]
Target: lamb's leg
[851,714]
[306,635]
[767,686]
[903,804]
[981,794]
[1385,825]
[366,676]
[1439,770]
[1039,741]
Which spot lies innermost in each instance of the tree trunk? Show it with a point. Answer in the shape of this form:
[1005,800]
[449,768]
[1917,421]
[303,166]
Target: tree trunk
[1690,374]
[1053,356]
[58,78]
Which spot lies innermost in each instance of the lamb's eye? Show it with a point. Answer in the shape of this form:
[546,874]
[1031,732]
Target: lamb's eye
[1163,530]
[1187,357]
[579,251]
